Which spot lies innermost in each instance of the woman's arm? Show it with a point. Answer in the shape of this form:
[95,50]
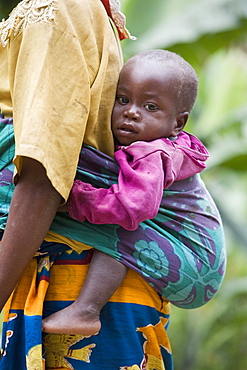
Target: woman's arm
[32,209]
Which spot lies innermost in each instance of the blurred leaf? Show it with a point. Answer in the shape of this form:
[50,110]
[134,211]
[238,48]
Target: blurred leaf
[6,6]
[238,163]
[208,24]
[228,150]
[222,93]
[234,287]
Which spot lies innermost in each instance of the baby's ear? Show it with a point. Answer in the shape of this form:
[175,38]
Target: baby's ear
[181,120]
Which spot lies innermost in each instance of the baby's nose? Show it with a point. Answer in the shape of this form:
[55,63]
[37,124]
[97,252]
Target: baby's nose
[132,113]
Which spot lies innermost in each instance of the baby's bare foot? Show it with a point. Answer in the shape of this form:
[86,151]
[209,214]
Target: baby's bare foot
[71,321]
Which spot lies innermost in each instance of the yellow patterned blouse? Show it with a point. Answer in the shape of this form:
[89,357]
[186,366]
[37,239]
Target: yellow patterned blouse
[59,65]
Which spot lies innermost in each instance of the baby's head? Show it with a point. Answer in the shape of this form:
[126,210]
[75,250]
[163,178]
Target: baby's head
[156,92]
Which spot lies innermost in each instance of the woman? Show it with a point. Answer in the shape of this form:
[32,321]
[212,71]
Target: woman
[59,68]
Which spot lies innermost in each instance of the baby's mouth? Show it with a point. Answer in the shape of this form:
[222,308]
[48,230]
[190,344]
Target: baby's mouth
[127,129]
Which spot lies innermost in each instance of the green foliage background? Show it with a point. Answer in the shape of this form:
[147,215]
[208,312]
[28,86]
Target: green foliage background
[211,35]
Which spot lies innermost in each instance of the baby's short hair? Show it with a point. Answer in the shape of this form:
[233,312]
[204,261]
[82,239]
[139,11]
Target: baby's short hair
[186,86]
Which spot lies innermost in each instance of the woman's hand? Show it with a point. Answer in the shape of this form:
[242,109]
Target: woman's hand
[63,208]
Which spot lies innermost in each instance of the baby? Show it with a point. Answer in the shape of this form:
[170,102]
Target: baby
[170,230]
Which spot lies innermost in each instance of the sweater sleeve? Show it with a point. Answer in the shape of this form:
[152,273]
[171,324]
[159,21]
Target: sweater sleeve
[145,170]
[135,198]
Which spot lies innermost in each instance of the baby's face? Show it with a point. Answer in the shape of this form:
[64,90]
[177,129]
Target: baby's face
[145,106]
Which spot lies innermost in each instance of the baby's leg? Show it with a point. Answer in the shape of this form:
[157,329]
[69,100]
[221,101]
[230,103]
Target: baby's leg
[104,276]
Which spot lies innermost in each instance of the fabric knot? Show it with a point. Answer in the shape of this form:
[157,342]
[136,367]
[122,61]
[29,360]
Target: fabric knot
[113,10]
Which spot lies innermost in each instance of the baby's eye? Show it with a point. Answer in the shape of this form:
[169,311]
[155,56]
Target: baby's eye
[122,100]
[151,107]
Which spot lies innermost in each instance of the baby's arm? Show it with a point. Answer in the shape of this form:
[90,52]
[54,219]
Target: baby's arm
[135,198]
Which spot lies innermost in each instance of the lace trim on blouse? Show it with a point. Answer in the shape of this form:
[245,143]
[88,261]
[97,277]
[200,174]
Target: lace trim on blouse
[25,13]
